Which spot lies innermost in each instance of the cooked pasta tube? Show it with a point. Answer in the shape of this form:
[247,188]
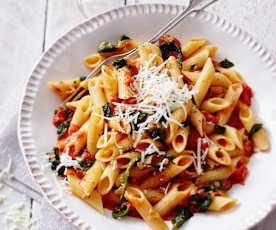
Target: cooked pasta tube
[120,125]
[232,75]
[203,83]
[97,95]
[179,141]
[234,135]
[124,159]
[221,203]
[248,120]
[178,165]
[177,194]
[93,61]
[137,198]
[107,179]
[223,142]
[153,195]
[218,155]
[198,120]
[92,177]
[232,96]
[109,83]
[196,61]
[192,45]
[95,129]
[94,199]
[214,104]
[214,174]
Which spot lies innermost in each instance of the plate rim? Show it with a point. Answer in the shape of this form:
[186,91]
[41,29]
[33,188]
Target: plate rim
[24,128]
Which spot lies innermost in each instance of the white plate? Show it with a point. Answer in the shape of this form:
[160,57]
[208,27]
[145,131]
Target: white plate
[64,60]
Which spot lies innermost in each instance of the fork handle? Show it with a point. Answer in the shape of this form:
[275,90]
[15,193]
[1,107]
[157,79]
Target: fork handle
[193,6]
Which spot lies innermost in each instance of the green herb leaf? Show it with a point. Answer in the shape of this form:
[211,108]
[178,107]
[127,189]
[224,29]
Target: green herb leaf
[61,170]
[82,78]
[214,186]
[123,37]
[107,110]
[141,117]
[121,210]
[182,214]
[107,47]
[85,165]
[167,48]
[254,129]
[119,63]
[157,132]
[226,63]
[201,202]
[219,129]
[217,70]
[62,128]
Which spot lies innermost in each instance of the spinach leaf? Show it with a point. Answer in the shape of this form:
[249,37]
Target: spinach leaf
[201,202]
[62,128]
[82,78]
[107,110]
[214,186]
[254,129]
[121,210]
[226,63]
[219,129]
[141,117]
[119,63]
[61,170]
[107,47]
[123,37]
[54,158]
[167,48]
[182,214]
[157,132]
[85,165]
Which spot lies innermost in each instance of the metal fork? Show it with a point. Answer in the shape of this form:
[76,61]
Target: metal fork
[193,6]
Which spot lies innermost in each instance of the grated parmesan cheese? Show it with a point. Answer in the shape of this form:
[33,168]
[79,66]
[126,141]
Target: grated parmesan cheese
[67,161]
[16,218]
[105,135]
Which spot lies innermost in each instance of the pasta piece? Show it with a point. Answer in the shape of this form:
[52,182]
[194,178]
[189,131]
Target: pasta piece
[192,45]
[193,76]
[64,88]
[147,51]
[248,119]
[108,139]
[107,179]
[75,143]
[94,200]
[81,114]
[124,91]
[214,174]
[174,70]
[238,162]
[232,96]
[137,198]
[221,203]
[234,135]
[198,120]
[95,129]
[223,142]
[109,83]
[218,155]
[175,196]
[232,75]
[214,104]
[93,61]
[203,83]
[196,61]
[221,80]
[127,45]
[120,125]
[153,195]
[124,159]
[97,95]
[74,104]
[179,141]
[178,116]
[92,177]
[178,165]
